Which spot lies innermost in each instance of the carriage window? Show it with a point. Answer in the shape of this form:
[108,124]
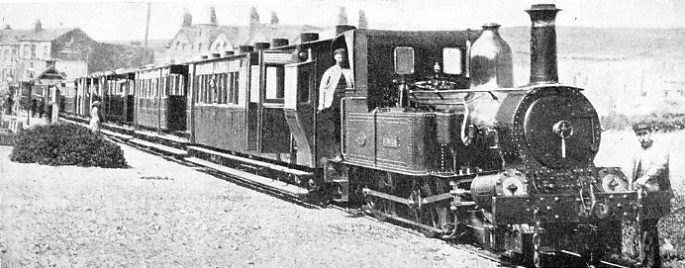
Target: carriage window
[303,87]
[234,84]
[166,86]
[451,60]
[200,89]
[213,89]
[274,83]
[404,60]
[198,85]
[171,81]
[155,87]
[181,86]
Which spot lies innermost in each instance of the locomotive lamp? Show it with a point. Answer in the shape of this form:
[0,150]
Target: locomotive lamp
[513,183]
[404,65]
[613,180]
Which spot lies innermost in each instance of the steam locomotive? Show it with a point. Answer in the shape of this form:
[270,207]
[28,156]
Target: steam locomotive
[433,133]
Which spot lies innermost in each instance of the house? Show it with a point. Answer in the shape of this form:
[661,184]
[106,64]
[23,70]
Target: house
[193,41]
[39,48]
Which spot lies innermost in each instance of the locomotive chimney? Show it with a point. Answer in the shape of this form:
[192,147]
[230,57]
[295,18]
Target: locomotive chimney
[543,44]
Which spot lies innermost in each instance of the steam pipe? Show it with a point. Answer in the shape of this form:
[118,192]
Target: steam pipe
[543,44]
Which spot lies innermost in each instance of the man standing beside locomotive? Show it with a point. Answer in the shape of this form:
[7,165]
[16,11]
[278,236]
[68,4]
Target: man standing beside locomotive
[650,172]
[332,89]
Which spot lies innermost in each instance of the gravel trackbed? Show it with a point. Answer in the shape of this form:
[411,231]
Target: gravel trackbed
[161,214]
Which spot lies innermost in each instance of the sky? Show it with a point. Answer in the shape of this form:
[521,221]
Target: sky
[119,20]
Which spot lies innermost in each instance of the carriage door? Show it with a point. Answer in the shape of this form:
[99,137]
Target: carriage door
[273,128]
[300,85]
[254,102]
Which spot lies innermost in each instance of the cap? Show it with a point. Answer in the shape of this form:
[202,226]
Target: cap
[95,103]
[340,51]
[642,126]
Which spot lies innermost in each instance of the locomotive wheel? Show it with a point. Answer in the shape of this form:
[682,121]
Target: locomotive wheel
[421,215]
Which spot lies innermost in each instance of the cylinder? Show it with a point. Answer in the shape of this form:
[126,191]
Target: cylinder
[543,44]
[261,45]
[308,37]
[343,28]
[279,42]
[216,55]
[204,57]
[245,49]
[491,63]
[483,189]
[229,52]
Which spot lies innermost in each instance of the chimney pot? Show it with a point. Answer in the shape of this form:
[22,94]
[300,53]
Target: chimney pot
[279,42]
[308,37]
[261,45]
[343,28]
[245,49]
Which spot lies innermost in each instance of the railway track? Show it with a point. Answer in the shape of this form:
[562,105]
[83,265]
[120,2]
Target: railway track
[560,259]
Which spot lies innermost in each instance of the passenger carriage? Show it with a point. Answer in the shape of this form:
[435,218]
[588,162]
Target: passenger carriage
[160,98]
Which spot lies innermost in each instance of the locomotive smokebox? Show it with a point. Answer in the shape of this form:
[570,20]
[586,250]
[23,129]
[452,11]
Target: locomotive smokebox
[543,44]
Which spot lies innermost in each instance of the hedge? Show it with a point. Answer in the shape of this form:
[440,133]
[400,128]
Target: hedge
[668,122]
[66,144]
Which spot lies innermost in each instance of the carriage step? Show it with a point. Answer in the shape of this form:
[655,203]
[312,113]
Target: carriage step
[251,162]
[154,136]
[252,178]
[119,136]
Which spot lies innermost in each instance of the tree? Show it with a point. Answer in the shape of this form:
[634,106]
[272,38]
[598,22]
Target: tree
[342,16]
[363,24]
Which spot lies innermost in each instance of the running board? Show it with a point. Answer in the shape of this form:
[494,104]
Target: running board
[250,178]
[177,153]
[251,162]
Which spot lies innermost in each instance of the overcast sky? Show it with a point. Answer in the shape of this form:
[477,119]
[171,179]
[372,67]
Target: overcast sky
[119,20]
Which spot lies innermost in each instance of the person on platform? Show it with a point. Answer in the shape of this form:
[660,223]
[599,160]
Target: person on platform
[95,117]
[332,89]
[650,173]
[41,106]
[10,102]
[34,106]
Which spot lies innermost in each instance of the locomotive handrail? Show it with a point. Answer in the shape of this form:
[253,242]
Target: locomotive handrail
[469,90]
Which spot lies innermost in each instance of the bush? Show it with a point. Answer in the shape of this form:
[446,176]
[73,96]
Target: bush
[667,122]
[66,144]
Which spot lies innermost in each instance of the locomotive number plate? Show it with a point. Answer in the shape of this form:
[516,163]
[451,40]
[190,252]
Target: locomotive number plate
[392,142]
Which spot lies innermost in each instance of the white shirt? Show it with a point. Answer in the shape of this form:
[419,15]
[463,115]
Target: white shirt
[329,84]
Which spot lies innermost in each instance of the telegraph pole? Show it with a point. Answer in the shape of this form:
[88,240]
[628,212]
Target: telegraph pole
[147,30]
